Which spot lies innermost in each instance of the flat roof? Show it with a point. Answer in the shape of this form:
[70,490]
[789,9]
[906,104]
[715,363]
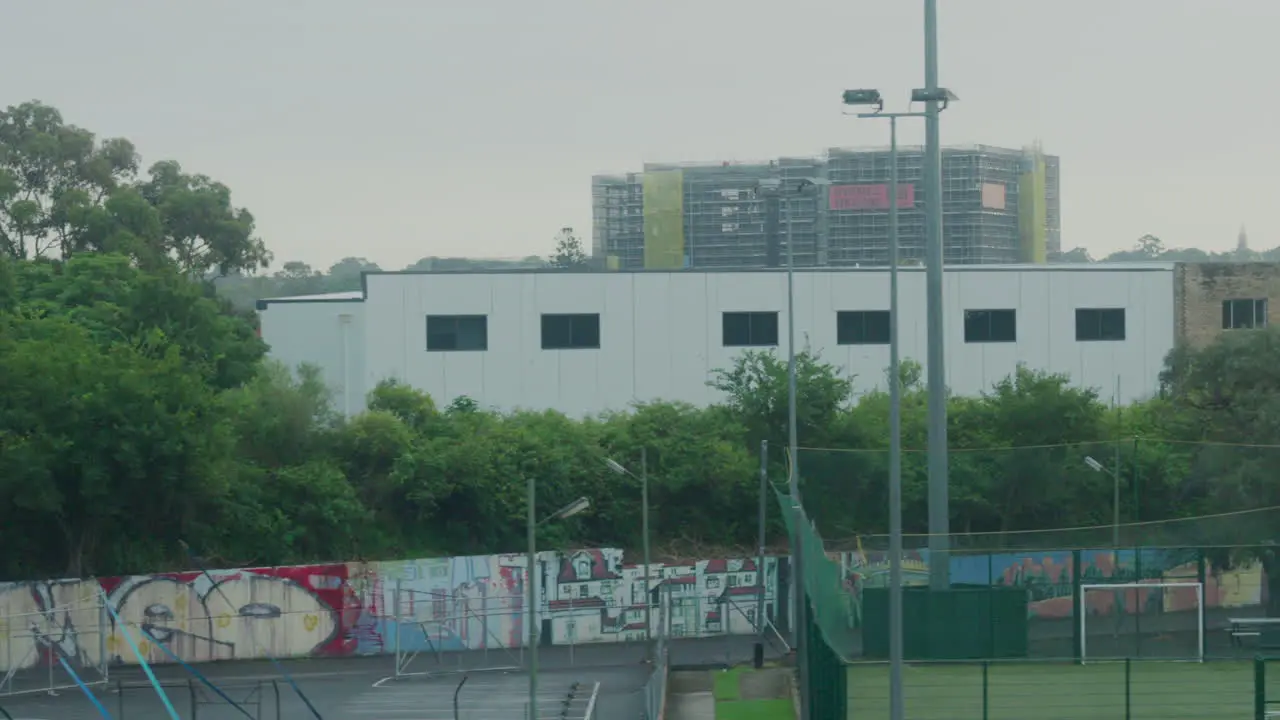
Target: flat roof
[359,295]
[1001,267]
[343,296]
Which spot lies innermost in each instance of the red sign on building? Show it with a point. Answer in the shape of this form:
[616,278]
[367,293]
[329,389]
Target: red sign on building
[870,197]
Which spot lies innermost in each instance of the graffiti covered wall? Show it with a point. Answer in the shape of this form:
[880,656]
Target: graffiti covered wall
[1048,577]
[342,609]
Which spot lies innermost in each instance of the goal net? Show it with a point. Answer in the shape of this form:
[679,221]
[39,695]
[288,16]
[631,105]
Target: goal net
[1159,620]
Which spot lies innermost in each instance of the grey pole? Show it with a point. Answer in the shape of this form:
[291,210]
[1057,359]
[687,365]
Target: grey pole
[939,518]
[1115,478]
[896,710]
[531,576]
[794,481]
[758,657]
[644,520]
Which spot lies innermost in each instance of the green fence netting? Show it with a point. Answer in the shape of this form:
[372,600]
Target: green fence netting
[834,608]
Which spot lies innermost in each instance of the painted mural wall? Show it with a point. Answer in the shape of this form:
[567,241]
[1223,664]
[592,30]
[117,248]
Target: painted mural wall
[1048,577]
[461,603]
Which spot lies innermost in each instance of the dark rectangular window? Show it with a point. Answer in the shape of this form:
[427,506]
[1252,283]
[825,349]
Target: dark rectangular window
[1244,314]
[862,327]
[1099,324]
[750,329]
[571,332]
[457,332]
[990,326]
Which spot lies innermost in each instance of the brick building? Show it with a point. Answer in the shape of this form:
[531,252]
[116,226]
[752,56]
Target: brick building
[1211,298]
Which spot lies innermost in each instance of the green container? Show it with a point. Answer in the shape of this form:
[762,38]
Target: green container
[963,623]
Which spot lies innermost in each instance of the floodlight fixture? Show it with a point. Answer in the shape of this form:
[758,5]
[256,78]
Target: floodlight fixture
[941,95]
[573,508]
[863,97]
[1094,464]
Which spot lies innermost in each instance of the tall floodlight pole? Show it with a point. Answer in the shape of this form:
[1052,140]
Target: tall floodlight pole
[531,530]
[939,516]
[793,482]
[897,707]
[643,478]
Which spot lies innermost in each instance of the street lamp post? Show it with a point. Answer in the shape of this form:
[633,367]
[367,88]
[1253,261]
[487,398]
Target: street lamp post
[531,529]
[1096,466]
[644,523]
[873,98]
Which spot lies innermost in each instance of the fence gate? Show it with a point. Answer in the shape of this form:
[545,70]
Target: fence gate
[455,633]
[48,650]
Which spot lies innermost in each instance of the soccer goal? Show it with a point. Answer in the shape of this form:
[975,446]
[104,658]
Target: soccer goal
[1158,620]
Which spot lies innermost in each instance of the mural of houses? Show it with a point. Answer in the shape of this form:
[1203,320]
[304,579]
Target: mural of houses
[595,595]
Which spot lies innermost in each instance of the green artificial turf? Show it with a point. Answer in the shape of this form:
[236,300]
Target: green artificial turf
[729,707]
[1066,691]
[726,684]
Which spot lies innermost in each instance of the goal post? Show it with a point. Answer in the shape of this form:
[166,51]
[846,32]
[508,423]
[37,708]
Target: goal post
[1132,606]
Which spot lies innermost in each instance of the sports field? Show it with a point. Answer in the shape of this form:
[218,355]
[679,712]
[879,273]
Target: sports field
[1060,691]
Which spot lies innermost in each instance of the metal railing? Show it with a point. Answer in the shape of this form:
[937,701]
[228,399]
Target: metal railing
[1266,704]
[1128,688]
[32,643]
[655,690]
[252,697]
[591,703]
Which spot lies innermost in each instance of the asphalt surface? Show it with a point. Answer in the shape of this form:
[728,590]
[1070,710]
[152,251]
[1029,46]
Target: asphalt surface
[366,688]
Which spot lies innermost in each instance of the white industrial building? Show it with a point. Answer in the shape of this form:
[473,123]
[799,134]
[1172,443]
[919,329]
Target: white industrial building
[587,342]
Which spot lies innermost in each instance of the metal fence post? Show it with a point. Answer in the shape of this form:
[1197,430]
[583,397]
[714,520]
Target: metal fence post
[103,625]
[1128,688]
[986,690]
[395,623]
[1259,688]
[1077,606]
[1201,572]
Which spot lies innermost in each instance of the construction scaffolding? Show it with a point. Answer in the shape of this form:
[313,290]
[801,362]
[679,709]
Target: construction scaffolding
[731,220]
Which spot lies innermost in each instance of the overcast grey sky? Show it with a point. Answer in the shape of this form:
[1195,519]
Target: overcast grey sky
[396,129]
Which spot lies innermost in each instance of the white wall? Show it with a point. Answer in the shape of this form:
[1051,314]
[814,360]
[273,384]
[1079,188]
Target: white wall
[327,332]
[661,332]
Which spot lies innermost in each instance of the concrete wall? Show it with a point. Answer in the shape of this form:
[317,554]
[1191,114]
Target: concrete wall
[661,333]
[327,332]
[343,609]
[473,603]
[1201,289]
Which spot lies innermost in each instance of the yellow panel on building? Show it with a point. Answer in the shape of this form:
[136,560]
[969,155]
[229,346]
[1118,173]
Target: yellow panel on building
[664,220]
[1032,220]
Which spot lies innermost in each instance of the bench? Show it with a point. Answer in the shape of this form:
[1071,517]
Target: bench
[1250,627]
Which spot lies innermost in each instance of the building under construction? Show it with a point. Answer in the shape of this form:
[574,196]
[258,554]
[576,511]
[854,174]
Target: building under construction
[998,206]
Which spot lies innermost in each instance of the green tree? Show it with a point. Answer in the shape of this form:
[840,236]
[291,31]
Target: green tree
[62,193]
[568,254]
[50,172]
[155,310]
[756,391]
[111,447]
[202,231]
